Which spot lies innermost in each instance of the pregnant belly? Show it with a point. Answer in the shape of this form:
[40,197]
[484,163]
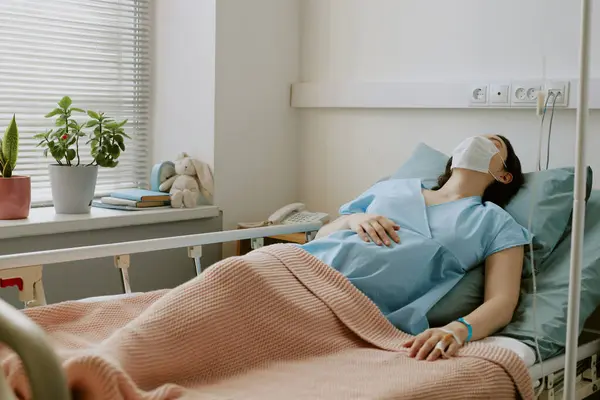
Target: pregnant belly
[390,276]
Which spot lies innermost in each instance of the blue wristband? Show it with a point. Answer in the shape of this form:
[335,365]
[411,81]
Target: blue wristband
[469,328]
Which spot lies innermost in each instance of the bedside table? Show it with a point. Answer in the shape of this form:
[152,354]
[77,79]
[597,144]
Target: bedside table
[245,246]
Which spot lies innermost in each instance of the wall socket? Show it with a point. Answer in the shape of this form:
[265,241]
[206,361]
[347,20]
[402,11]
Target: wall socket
[478,95]
[525,94]
[560,89]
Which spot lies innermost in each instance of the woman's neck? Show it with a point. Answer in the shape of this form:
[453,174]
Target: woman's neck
[465,183]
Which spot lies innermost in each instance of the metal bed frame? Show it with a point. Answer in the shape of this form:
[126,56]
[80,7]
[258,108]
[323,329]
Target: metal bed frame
[43,368]
[551,373]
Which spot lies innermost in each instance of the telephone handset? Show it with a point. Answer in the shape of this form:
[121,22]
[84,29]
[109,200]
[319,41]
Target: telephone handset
[296,213]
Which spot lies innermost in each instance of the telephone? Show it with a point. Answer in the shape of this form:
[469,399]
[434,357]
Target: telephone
[296,213]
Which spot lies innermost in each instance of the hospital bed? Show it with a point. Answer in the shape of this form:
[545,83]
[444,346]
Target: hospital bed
[46,375]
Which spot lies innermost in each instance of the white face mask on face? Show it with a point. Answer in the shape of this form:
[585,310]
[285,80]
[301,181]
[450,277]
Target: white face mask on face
[475,153]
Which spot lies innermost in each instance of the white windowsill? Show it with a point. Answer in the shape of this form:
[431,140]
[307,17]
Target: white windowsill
[44,221]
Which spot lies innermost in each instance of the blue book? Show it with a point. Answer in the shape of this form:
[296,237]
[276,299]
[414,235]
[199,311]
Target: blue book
[100,204]
[141,195]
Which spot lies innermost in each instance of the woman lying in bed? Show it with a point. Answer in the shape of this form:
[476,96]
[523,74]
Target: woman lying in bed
[272,323]
[405,247]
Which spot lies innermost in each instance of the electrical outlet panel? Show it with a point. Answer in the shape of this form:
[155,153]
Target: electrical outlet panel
[478,95]
[525,94]
[518,94]
[558,93]
[499,94]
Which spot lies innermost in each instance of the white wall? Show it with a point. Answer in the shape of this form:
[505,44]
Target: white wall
[183,79]
[256,154]
[344,151]
[222,77]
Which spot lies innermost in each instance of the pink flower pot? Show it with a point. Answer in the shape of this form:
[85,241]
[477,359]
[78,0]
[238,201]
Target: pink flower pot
[15,197]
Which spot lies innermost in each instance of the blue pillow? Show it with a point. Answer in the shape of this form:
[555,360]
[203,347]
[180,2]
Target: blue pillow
[553,290]
[553,208]
[425,163]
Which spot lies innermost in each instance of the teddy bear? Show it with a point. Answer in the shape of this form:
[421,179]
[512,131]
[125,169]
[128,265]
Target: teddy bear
[192,182]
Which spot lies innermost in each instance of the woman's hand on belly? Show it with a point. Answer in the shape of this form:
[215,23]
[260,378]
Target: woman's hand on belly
[377,228]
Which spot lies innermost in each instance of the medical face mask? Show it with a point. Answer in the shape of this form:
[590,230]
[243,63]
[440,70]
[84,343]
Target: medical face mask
[475,153]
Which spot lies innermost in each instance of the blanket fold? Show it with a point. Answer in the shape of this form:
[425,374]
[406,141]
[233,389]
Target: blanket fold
[273,324]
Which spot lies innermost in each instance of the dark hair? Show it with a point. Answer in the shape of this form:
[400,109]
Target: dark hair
[497,192]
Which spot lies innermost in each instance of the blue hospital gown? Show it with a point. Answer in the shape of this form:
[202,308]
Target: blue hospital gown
[438,245]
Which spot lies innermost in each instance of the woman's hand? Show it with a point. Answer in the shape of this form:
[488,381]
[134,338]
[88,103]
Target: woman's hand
[377,228]
[426,345]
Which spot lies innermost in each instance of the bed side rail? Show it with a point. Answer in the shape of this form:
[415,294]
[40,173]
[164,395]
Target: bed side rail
[587,382]
[12,261]
[587,377]
[41,364]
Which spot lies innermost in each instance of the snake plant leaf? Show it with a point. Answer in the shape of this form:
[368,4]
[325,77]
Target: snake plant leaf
[10,147]
[1,159]
[7,171]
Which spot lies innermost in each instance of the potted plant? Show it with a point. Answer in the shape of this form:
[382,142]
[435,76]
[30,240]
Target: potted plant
[15,191]
[73,183]
[107,141]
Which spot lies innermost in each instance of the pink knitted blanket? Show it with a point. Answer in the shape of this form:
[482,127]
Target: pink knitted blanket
[274,324]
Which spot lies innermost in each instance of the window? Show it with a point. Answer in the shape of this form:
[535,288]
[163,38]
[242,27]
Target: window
[94,51]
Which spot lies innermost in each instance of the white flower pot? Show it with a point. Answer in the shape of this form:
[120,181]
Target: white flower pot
[72,188]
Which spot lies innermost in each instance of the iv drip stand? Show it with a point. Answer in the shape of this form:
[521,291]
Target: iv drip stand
[578,205]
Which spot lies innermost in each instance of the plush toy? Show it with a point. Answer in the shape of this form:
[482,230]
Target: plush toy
[192,183]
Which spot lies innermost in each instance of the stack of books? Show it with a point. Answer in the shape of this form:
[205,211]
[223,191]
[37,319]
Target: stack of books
[134,200]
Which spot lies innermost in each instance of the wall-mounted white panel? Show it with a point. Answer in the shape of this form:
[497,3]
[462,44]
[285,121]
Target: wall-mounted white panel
[411,95]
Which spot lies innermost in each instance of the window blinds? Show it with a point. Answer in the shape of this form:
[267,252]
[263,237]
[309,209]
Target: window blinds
[94,51]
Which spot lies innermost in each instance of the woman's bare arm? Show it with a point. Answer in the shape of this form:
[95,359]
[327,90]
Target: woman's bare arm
[502,285]
[501,295]
[338,224]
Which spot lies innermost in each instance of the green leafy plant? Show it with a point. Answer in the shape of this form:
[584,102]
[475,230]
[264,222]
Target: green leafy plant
[60,141]
[9,148]
[107,140]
